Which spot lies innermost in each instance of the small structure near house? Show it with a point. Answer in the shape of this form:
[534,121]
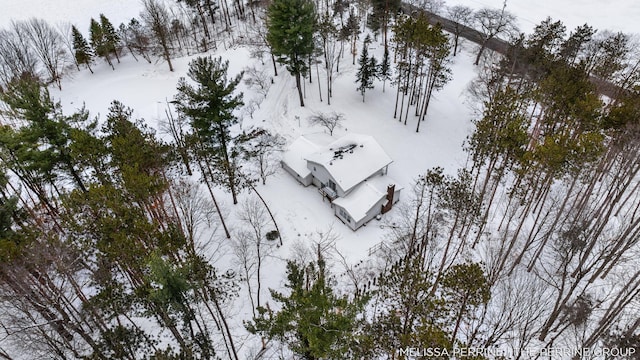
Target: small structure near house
[351,172]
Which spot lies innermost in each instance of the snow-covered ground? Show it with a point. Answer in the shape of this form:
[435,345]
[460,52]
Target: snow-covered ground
[145,88]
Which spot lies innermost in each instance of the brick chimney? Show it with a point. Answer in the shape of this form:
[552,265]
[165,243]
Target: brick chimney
[390,191]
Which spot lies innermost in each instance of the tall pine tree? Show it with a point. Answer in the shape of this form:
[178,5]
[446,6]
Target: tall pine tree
[99,41]
[383,12]
[112,39]
[82,50]
[313,321]
[290,35]
[367,70]
[41,148]
[384,71]
[209,106]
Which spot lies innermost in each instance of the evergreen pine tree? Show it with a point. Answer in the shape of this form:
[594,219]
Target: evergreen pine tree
[138,169]
[41,146]
[367,69]
[83,53]
[383,12]
[384,70]
[209,106]
[290,35]
[313,321]
[110,35]
[374,68]
[99,41]
[465,287]
[406,312]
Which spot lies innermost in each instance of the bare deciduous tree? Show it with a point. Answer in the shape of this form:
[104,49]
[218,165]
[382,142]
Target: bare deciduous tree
[157,18]
[434,6]
[244,251]
[260,150]
[256,40]
[461,15]
[513,316]
[321,241]
[250,108]
[493,23]
[329,121]
[194,211]
[329,35]
[66,36]
[17,59]
[251,246]
[136,38]
[258,80]
[48,45]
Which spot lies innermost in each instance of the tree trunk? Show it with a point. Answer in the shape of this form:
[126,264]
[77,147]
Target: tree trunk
[226,327]
[298,85]
[275,224]
[213,198]
[275,69]
[165,51]
[482,47]
[456,36]
[318,76]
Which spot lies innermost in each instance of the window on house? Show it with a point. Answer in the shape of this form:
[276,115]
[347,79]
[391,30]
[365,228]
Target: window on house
[344,215]
[332,185]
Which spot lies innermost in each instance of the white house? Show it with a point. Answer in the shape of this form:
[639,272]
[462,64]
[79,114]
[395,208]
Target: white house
[293,160]
[351,172]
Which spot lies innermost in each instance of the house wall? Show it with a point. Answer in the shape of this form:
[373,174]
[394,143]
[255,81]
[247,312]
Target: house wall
[347,220]
[321,175]
[372,213]
[306,181]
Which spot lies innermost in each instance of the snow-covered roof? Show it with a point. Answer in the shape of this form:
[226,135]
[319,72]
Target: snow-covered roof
[303,146]
[351,159]
[365,196]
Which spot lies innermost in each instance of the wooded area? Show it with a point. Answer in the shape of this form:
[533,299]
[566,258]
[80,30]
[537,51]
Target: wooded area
[108,249]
